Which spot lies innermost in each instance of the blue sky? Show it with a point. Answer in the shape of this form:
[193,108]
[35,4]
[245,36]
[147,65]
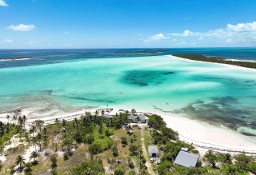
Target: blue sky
[127,23]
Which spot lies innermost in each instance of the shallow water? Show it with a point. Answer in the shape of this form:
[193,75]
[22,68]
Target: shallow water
[211,92]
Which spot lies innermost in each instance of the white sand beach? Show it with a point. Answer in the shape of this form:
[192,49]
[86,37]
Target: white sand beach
[201,134]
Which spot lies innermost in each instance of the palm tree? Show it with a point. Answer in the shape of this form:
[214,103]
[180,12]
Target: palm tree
[39,124]
[45,136]
[33,130]
[34,155]
[20,161]
[63,123]
[14,118]
[1,129]
[24,120]
[8,117]
[76,122]
[39,139]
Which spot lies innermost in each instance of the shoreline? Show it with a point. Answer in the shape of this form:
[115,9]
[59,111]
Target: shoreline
[223,64]
[201,134]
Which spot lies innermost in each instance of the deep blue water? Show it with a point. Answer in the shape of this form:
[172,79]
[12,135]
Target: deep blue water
[48,56]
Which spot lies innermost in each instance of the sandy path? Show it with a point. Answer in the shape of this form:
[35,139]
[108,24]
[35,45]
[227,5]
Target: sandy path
[148,164]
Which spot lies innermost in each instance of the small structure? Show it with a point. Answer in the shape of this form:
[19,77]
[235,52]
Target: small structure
[186,159]
[107,116]
[153,151]
[137,119]
[132,119]
[143,118]
[184,149]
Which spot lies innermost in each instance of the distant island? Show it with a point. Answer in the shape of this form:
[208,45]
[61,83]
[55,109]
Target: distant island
[14,59]
[199,57]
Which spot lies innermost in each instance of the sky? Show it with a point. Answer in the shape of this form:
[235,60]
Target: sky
[127,23]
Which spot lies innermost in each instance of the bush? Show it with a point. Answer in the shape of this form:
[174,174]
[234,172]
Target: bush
[164,166]
[66,156]
[100,145]
[28,167]
[130,163]
[115,151]
[89,167]
[124,141]
[54,172]
[132,172]
[133,150]
[143,160]
[54,161]
[119,171]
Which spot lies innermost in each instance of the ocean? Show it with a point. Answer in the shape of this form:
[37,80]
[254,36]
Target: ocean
[52,82]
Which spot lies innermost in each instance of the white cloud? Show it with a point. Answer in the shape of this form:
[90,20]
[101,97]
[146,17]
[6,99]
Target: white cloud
[22,27]
[241,27]
[8,41]
[156,37]
[3,3]
[185,33]
[241,33]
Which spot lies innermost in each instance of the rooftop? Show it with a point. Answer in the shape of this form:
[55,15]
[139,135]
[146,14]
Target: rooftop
[152,149]
[186,159]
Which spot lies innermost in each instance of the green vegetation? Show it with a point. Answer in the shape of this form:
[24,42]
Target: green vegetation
[215,163]
[199,57]
[96,145]
[89,168]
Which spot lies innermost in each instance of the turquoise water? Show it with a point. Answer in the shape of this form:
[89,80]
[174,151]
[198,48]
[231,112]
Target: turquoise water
[211,92]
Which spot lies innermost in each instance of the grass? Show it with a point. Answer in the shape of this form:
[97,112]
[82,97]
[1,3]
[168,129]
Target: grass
[81,154]
[12,154]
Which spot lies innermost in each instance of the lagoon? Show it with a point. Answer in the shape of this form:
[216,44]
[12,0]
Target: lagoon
[215,93]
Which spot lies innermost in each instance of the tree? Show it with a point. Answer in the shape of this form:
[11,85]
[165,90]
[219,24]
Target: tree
[20,162]
[32,131]
[34,155]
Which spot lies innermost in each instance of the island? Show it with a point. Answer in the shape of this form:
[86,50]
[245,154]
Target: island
[15,59]
[199,57]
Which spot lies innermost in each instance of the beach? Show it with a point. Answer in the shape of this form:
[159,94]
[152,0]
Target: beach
[202,135]
[177,89]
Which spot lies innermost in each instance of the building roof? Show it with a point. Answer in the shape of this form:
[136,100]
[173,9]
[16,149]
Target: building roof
[142,117]
[153,149]
[132,117]
[186,159]
[107,116]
